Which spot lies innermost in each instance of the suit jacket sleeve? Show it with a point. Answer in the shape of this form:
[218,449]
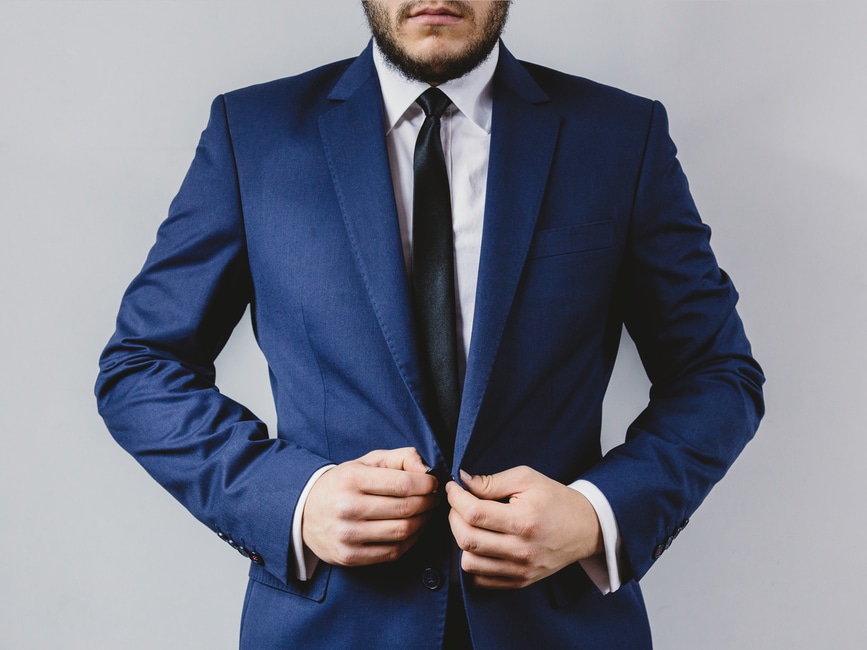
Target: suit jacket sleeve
[706,399]
[156,388]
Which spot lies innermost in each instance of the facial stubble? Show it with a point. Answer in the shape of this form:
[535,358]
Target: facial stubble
[437,68]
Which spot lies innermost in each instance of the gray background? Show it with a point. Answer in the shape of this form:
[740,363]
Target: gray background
[101,104]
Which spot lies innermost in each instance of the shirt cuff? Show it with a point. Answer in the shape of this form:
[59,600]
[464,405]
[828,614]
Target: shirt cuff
[603,569]
[305,559]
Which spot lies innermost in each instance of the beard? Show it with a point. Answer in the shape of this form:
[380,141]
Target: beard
[437,68]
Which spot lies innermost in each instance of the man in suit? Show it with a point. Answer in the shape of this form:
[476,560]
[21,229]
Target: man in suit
[436,479]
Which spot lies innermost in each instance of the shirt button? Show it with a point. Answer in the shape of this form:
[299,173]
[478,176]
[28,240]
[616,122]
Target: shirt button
[432,579]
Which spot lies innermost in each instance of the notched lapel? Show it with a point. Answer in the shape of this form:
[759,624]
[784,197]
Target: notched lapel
[524,136]
[352,135]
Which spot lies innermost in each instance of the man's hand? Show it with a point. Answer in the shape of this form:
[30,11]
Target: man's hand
[368,510]
[543,527]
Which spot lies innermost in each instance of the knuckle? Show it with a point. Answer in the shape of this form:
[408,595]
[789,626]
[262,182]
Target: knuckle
[522,574]
[347,468]
[401,530]
[465,541]
[346,509]
[455,523]
[525,556]
[399,486]
[528,528]
[392,553]
[405,508]
[347,556]
[475,515]
[347,477]
[345,534]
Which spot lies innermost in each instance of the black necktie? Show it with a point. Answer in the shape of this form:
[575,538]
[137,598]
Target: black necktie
[433,270]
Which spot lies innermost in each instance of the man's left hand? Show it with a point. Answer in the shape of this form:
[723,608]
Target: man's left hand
[518,526]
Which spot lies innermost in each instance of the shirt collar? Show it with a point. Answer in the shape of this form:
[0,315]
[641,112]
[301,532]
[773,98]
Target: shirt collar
[471,94]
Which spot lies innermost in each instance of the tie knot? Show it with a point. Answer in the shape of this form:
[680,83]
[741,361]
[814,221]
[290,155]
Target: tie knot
[433,102]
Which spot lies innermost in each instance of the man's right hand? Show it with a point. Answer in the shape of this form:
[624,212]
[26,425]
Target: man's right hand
[369,510]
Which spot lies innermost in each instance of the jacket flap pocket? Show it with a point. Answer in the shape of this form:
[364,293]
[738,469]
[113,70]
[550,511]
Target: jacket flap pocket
[313,589]
[570,585]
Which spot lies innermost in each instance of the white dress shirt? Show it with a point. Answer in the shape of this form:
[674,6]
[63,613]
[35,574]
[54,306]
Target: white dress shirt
[466,139]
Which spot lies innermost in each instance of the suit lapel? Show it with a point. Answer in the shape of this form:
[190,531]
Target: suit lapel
[523,138]
[352,135]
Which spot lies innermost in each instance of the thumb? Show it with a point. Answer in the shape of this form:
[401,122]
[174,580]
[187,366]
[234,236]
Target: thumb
[494,487]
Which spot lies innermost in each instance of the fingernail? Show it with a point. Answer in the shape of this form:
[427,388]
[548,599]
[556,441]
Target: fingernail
[466,478]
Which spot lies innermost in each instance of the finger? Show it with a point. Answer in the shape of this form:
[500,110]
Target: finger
[375,507]
[479,565]
[385,531]
[478,513]
[480,541]
[501,485]
[373,553]
[392,482]
[405,458]
[491,571]
[486,582]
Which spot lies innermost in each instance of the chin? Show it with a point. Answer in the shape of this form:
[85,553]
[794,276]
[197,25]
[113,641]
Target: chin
[437,49]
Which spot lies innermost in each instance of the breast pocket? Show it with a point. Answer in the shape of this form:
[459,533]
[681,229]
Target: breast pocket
[572,239]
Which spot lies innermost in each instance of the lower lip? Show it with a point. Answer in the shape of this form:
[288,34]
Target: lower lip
[435,19]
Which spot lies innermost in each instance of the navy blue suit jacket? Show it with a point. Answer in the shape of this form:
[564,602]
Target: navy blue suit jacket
[288,207]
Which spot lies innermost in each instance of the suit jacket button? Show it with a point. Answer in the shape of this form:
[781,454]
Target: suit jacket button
[432,579]
[442,476]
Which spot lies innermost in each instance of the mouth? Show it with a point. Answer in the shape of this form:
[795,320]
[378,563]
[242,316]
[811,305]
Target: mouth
[435,15]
